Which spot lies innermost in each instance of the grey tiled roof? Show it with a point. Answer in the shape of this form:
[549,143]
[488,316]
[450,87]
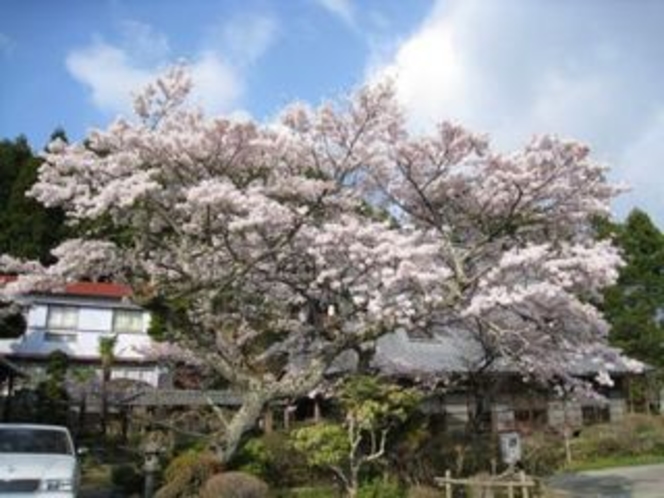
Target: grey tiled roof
[182,397]
[456,352]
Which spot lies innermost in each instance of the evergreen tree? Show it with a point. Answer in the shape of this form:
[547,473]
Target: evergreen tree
[27,229]
[635,305]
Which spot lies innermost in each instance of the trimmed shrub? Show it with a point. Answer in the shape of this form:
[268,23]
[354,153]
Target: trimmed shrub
[127,478]
[273,458]
[234,485]
[187,473]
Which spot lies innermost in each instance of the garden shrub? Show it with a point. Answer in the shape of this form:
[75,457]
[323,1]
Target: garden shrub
[464,455]
[127,478]
[273,458]
[234,485]
[187,472]
[635,437]
[424,492]
[381,488]
[543,453]
[311,492]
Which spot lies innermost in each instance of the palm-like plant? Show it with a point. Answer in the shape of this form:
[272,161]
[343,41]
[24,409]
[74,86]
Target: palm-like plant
[107,357]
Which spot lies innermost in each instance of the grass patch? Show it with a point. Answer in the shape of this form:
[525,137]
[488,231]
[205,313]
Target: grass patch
[309,492]
[636,440]
[94,477]
[601,463]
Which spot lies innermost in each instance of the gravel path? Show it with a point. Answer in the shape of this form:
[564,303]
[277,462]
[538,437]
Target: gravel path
[645,481]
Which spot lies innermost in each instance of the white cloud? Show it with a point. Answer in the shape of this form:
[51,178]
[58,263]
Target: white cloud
[108,73]
[112,72]
[218,87]
[429,72]
[343,9]
[247,38]
[516,68]
[145,43]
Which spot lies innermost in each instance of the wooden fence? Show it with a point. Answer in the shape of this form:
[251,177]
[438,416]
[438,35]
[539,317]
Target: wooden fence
[517,485]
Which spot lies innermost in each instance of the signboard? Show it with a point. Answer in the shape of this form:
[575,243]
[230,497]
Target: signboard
[510,447]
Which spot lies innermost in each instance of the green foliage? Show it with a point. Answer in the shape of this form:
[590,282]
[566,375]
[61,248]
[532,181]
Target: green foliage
[374,403]
[254,457]
[57,366]
[426,450]
[634,305]
[127,479]
[636,439]
[636,436]
[53,400]
[187,472]
[234,485]
[273,458]
[325,444]
[27,229]
[370,404]
[543,453]
[12,325]
[167,316]
[381,488]
[423,492]
[107,350]
[310,492]
[372,409]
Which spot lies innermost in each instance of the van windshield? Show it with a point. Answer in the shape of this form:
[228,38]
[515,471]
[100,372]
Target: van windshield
[32,440]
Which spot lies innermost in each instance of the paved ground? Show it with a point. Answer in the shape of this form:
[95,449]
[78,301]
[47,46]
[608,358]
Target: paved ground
[645,481]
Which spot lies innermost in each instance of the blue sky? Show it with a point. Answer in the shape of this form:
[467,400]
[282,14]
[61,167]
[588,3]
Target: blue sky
[590,69]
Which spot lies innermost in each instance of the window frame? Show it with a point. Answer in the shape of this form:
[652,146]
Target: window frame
[139,317]
[61,324]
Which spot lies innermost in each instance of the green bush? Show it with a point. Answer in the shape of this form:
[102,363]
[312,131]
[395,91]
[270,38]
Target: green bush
[635,439]
[381,488]
[310,492]
[424,492]
[187,472]
[635,436]
[234,485]
[543,453]
[273,458]
[127,478]
[462,454]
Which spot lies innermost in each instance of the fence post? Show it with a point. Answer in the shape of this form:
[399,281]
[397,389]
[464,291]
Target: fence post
[448,483]
[510,490]
[524,488]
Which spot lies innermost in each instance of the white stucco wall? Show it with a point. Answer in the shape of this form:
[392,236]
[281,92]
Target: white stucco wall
[94,322]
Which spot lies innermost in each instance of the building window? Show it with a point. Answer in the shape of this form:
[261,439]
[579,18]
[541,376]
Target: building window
[127,321]
[62,317]
[595,414]
[59,337]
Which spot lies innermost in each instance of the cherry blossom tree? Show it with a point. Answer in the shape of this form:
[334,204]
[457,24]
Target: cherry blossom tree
[268,249]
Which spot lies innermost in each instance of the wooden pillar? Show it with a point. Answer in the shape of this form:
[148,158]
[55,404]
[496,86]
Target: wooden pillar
[448,484]
[268,421]
[317,411]
[288,410]
[524,489]
[8,401]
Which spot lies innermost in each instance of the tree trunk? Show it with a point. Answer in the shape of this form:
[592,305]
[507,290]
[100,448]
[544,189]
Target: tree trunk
[104,405]
[241,422]
[354,481]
